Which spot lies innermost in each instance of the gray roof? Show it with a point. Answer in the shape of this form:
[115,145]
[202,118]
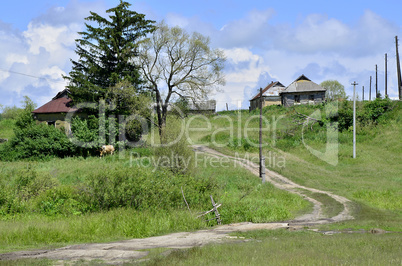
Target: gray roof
[302,84]
[202,105]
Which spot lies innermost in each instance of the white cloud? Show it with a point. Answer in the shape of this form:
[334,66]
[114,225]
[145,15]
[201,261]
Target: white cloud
[54,39]
[37,57]
[16,58]
[247,32]
[315,33]
[320,34]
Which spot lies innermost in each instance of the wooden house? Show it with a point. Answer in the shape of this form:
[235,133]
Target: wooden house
[208,106]
[270,96]
[302,91]
[54,112]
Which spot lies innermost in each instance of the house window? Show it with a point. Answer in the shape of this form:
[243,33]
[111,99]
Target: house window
[311,97]
[51,123]
[297,98]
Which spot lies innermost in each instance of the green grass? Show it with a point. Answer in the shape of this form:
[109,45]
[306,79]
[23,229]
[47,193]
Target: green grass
[241,194]
[280,247]
[24,262]
[38,231]
[244,198]
[373,180]
[6,128]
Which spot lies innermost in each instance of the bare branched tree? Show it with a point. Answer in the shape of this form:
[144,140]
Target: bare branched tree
[175,62]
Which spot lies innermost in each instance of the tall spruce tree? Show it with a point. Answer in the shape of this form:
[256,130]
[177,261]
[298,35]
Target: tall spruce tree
[106,51]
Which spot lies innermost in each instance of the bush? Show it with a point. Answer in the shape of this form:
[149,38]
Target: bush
[142,189]
[177,157]
[373,110]
[17,196]
[88,136]
[61,200]
[37,141]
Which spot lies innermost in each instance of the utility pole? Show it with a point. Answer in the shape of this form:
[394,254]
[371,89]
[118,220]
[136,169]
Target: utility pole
[370,90]
[354,118]
[386,75]
[261,158]
[398,69]
[376,82]
[363,94]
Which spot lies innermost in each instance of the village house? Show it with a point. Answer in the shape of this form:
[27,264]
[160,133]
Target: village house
[54,112]
[302,91]
[270,96]
[208,106]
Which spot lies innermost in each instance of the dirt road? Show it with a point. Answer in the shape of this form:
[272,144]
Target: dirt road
[119,252]
[316,216]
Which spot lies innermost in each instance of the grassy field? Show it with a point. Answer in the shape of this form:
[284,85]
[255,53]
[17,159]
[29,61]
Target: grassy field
[281,247]
[372,181]
[242,196]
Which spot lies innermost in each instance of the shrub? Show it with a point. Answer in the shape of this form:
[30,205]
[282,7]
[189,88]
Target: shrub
[37,141]
[29,184]
[17,196]
[177,157]
[373,110]
[89,136]
[25,118]
[64,200]
[142,189]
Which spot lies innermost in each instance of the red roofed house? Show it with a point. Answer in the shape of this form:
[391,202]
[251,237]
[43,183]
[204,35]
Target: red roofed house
[54,112]
[270,96]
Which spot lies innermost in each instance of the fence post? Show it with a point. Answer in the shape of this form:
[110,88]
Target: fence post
[217,215]
[263,169]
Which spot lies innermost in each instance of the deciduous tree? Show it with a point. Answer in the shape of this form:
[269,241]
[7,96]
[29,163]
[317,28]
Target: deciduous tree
[176,63]
[335,90]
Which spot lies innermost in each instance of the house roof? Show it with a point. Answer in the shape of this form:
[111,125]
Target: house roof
[273,89]
[302,84]
[61,103]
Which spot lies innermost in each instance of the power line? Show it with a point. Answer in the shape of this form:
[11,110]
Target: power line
[31,76]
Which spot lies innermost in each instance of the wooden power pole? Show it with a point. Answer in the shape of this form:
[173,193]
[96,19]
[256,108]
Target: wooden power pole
[376,82]
[386,75]
[363,94]
[370,90]
[260,132]
[354,118]
[398,69]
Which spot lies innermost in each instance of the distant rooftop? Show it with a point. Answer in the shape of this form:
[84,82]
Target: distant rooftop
[302,84]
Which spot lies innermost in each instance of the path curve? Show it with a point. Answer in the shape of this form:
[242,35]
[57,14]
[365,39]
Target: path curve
[316,216]
[135,249]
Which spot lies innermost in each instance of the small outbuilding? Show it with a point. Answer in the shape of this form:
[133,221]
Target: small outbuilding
[270,96]
[208,106]
[302,91]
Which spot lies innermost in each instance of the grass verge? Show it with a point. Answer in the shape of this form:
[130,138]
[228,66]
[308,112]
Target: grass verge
[281,247]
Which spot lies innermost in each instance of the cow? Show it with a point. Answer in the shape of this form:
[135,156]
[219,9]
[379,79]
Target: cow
[106,149]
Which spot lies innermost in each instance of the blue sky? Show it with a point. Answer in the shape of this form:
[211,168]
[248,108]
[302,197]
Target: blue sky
[263,41]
